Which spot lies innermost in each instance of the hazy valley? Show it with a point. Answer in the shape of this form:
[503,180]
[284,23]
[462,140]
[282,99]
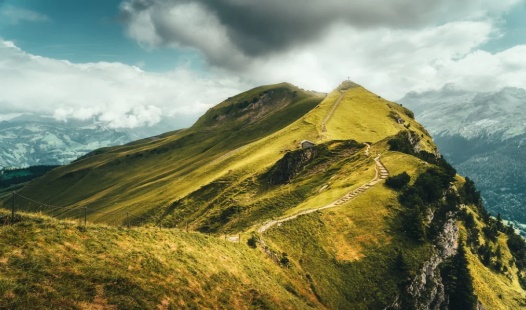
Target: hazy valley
[483,136]
[29,140]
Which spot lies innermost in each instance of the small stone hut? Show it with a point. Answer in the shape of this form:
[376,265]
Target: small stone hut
[306,144]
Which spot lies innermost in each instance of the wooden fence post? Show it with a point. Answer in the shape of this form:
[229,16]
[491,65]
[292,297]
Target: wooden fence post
[13,209]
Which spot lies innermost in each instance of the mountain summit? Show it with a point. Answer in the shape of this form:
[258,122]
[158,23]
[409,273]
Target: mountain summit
[343,198]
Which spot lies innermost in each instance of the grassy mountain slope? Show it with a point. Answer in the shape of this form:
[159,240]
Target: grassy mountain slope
[51,264]
[239,167]
[229,145]
[155,172]
[497,290]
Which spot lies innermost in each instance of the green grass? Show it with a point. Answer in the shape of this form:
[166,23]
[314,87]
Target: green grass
[494,289]
[349,251]
[156,174]
[51,264]
[139,177]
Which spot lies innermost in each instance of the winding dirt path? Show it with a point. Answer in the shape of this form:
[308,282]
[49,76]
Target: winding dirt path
[334,106]
[381,174]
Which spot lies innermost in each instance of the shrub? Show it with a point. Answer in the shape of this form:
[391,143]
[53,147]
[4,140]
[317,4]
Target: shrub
[284,260]
[401,143]
[409,113]
[252,242]
[414,224]
[398,181]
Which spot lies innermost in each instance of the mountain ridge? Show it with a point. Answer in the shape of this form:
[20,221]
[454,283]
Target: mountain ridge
[372,249]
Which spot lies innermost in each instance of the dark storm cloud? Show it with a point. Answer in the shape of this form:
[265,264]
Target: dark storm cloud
[259,28]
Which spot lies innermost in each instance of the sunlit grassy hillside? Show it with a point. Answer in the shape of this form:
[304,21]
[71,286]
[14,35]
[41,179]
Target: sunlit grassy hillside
[189,193]
[229,146]
[51,264]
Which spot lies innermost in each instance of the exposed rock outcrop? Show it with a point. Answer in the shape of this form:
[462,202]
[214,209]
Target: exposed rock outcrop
[426,290]
[290,165]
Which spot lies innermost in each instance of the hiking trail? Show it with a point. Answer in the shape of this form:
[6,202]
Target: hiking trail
[381,174]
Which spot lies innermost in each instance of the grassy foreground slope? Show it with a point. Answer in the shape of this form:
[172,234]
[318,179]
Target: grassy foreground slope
[50,264]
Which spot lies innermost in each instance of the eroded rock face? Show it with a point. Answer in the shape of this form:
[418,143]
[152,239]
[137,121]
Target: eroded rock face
[448,240]
[426,291]
[290,165]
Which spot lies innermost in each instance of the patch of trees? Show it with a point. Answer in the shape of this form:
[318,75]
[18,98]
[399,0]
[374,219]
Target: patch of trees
[458,282]
[491,256]
[439,161]
[401,143]
[472,239]
[418,200]
[428,188]
[517,247]
[22,175]
[470,196]
[490,253]
[397,182]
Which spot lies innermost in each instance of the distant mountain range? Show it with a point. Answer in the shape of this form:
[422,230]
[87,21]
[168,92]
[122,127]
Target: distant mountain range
[30,140]
[484,136]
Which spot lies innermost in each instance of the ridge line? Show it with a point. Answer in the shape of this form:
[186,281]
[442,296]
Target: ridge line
[334,106]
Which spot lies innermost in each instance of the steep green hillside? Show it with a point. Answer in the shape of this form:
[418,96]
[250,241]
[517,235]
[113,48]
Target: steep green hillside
[325,225]
[51,264]
[224,151]
[153,173]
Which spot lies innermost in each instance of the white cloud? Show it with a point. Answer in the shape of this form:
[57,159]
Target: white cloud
[115,93]
[389,62]
[483,71]
[15,15]
[391,47]
[184,25]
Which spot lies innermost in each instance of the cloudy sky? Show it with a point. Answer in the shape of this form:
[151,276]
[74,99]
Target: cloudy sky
[131,62]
